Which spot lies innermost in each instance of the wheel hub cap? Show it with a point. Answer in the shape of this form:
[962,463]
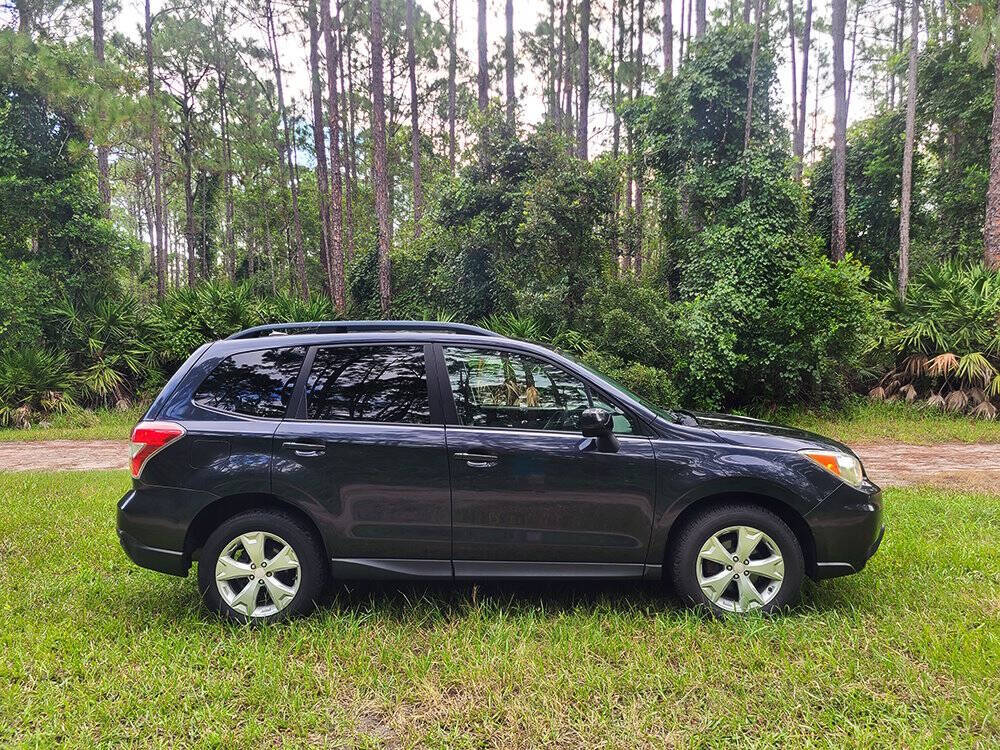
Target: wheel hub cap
[257,574]
[740,568]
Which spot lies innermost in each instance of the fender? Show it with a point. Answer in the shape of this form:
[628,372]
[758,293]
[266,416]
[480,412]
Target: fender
[691,474]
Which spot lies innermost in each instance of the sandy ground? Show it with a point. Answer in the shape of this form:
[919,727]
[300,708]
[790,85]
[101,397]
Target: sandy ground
[950,465]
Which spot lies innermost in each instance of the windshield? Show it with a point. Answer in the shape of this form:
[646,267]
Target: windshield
[667,414]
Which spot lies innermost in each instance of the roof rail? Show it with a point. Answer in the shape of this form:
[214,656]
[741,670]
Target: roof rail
[359,326]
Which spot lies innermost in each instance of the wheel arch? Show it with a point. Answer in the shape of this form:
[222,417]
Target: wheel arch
[221,510]
[779,507]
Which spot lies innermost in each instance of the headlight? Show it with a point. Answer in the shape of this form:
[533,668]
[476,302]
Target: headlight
[844,465]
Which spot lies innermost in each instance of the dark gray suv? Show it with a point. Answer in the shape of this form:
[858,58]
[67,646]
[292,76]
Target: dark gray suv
[292,454]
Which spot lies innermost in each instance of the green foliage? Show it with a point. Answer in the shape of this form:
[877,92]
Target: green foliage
[651,383]
[873,183]
[25,301]
[526,222]
[51,213]
[945,336]
[112,345]
[34,382]
[819,331]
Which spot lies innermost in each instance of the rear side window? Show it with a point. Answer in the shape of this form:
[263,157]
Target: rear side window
[258,383]
[369,384]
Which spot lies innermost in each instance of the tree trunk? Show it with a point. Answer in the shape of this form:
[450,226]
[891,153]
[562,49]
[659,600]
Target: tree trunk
[911,118]
[680,36]
[319,145]
[154,144]
[640,167]
[452,91]
[838,242]
[187,156]
[557,113]
[300,255]
[379,156]
[336,213]
[484,81]
[795,80]
[583,132]
[103,182]
[690,9]
[568,72]
[668,38]
[799,145]
[229,241]
[991,228]
[347,123]
[752,81]
[746,11]
[411,60]
[509,60]
[699,15]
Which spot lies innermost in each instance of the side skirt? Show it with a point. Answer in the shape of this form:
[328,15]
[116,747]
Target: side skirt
[381,569]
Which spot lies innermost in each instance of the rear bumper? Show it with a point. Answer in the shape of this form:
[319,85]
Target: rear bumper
[161,560]
[174,562]
[848,530]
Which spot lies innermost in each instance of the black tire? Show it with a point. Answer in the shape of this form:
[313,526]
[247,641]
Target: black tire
[311,574]
[683,558]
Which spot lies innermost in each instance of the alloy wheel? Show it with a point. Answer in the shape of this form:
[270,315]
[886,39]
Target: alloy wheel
[740,568]
[257,574]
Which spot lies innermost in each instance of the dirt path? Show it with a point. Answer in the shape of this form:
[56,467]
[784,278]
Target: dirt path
[949,465]
[957,466]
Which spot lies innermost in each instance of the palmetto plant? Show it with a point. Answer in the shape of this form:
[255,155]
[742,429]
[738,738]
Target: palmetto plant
[33,382]
[110,345]
[946,337]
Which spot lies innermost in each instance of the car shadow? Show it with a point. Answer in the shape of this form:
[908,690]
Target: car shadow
[406,602]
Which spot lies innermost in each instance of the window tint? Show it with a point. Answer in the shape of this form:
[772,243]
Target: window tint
[369,384]
[255,383]
[496,388]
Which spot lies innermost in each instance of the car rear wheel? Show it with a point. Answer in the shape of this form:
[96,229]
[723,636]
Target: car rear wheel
[261,566]
[736,559]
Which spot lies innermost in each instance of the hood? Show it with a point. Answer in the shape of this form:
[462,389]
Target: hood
[758,433]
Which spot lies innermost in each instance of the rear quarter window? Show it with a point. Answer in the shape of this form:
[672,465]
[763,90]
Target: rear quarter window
[258,383]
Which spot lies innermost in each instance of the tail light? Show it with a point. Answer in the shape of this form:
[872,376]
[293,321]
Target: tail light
[148,439]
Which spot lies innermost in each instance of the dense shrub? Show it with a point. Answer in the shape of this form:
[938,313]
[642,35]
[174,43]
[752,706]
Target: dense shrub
[945,339]
[651,383]
[34,382]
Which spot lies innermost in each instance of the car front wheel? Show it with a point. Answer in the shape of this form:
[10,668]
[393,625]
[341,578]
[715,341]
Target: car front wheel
[736,559]
[261,566]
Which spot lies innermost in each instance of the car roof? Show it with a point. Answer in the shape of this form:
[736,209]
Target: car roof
[273,341]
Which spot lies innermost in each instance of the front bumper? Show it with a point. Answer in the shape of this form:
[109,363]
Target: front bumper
[848,529]
[174,562]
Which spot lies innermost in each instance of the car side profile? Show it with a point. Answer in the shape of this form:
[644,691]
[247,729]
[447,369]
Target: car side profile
[290,455]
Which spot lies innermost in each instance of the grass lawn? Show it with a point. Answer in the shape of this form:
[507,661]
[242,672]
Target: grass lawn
[99,652]
[105,424]
[856,423]
[861,421]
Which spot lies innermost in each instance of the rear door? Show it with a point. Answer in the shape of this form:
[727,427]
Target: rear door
[530,494]
[366,450]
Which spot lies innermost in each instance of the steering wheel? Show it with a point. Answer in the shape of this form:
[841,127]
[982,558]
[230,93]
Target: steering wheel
[564,419]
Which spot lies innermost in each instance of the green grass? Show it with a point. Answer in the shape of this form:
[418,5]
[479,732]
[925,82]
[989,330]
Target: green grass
[861,421]
[97,652]
[104,424]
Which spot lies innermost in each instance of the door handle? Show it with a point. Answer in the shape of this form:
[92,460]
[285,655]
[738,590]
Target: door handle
[305,449]
[477,460]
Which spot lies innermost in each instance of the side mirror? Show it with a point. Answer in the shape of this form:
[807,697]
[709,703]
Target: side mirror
[596,423]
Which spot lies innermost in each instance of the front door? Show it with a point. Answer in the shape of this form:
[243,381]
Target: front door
[366,453]
[530,494]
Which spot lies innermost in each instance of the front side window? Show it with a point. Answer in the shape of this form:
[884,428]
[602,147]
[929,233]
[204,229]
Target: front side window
[496,388]
[369,384]
[258,384]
